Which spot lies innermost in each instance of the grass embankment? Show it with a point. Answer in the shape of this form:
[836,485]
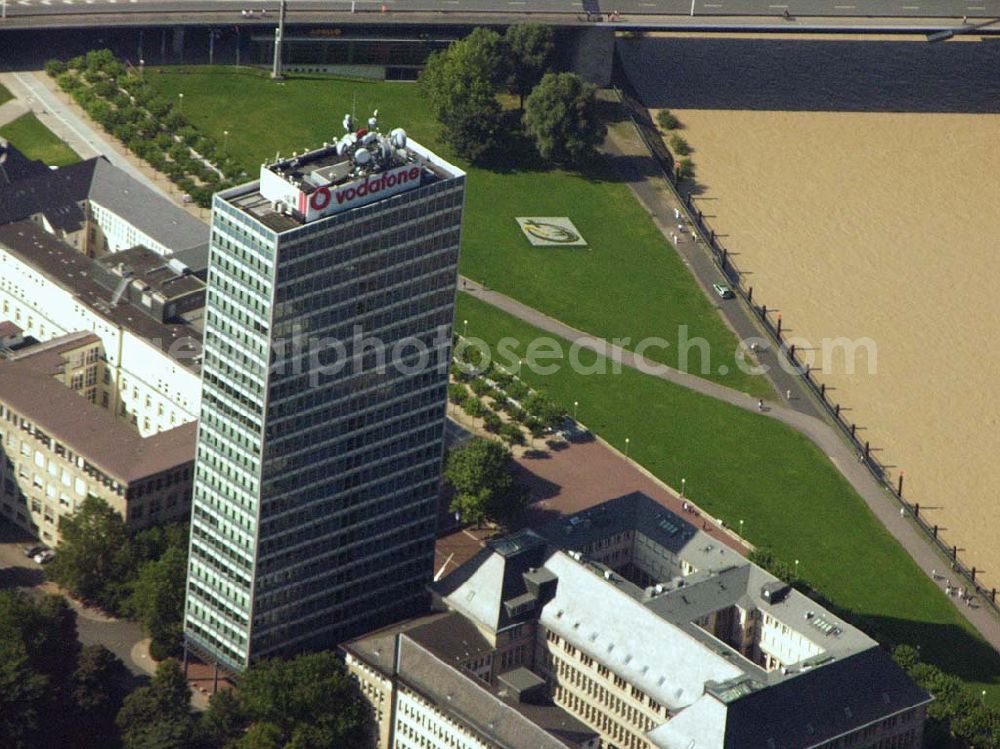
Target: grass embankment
[739,465]
[628,282]
[36,141]
[5,94]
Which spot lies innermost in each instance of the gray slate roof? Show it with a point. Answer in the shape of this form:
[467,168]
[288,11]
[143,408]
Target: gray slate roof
[59,193]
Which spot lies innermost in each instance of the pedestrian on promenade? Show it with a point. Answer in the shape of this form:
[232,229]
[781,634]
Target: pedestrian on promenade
[760,404]
[680,227]
[788,394]
[677,213]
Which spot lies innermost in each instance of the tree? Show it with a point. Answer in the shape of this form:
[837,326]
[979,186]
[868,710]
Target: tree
[560,115]
[157,600]
[311,691]
[679,146]
[224,721]
[92,561]
[667,120]
[474,407]
[457,392]
[530,47]
[461,85]
[97,689]
[158,715]
[38,651]
[480,472]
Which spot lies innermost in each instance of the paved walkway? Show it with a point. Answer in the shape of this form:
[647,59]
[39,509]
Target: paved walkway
[11,110]
[800,412]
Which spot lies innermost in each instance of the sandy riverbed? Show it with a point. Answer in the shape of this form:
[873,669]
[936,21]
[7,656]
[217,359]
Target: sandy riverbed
[881,225]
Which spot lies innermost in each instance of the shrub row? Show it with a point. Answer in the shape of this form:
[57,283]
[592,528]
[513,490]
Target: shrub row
[129,108]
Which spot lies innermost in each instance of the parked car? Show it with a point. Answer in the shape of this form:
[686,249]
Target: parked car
[32,551]
[45,556]
[723,291]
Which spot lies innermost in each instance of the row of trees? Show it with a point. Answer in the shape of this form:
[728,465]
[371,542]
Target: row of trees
[53,693]
[309,702]
[670,124]
[957,719]
[957,713]
[150,126]
[140,576]
[463,84]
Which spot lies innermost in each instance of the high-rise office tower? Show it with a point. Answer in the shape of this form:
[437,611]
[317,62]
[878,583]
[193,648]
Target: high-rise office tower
[331,291]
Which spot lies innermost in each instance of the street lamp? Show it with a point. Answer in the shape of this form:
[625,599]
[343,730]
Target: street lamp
[225,141]
[741,529]
[576,405]
[180,99]
[683,482]
[465,328]
[626,447]
[796,568]
[142,68]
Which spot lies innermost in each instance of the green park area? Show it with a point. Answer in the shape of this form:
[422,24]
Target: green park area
[627,281]
[739,465]
[5,95]
[36,141]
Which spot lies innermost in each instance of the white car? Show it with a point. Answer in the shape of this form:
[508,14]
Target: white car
[43,557]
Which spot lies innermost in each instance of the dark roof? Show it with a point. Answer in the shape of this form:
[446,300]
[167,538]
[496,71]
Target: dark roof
[76,272]
[839,697]
[28,388]
[56,193]
[635,511]
[59,193]
[15,166]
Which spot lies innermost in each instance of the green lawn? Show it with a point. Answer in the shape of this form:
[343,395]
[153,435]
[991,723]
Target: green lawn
[36,141]
[739,465]
[5,95]
[627,283]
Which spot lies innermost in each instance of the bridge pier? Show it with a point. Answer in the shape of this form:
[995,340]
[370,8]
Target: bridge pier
[591,54]
[177,43]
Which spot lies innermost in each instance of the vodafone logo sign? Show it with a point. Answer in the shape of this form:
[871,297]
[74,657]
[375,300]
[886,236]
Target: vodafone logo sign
[325,201]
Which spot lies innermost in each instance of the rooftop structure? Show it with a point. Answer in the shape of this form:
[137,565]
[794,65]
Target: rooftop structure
[362,167]
[658,637]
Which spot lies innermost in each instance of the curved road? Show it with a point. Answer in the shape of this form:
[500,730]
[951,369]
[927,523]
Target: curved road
[954,9]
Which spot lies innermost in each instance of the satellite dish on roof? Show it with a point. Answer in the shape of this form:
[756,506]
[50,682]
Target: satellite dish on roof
[362,156]
[398,137]
[348,123]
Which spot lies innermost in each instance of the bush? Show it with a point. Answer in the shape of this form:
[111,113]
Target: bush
[679,146]
[685,169]
[667,120]
[457,392]
[76,63]
[68,82]
[492,422]
[55,68]
[512,434]
[480,387]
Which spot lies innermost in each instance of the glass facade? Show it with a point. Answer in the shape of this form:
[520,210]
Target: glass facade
[321,434]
